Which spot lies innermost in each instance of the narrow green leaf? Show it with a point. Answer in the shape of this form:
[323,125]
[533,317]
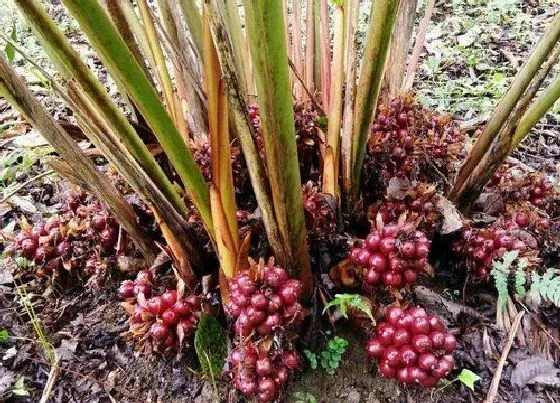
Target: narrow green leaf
[10,50]
[210,345]
[468,378]
[120,62]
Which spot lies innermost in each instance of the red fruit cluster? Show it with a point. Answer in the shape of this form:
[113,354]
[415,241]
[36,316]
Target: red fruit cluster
[519,186]
[412,346]
[393,255]
[486,244]
[265,303]
[261,373]
[82,238]
[162,320]
[404,135]
[417,202]
[320,215]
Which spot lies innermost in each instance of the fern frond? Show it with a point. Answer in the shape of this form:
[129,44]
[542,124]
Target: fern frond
[545,287]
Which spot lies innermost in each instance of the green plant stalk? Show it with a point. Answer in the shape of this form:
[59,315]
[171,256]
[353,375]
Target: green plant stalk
[325,54]
[504,144]
[349,97]
[72,68]
[243,127]
[265,23]
[193,19]
[157,52]
[297,51]
[309,46]
[233,22]
[383,14]
[120,62]
[335,112]
[15,91]
[536,111]
[507,104]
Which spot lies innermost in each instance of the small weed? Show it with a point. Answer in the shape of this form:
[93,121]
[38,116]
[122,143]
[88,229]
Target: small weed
[330,358]
[466,377]
[304,397]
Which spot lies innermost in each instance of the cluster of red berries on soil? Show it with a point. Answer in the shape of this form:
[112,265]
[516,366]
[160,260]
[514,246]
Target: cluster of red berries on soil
[483,245]
[264,302]
[403,133]
[393,255]
[159,322]
[82,238]
[417,202]
[260,372]
[518,186]
[412,346]
[320,214]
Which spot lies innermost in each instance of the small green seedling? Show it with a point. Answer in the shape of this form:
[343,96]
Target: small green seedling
[345,301]
[304,397]
[466,377]
[4,336]
[20,389]
[330,358]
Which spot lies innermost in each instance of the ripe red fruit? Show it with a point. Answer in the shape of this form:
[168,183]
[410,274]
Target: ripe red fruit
[421,343]
[99,221]
[442,369]
[142,289]
[363,257]
[28,247]
[232,309]
[159,331]
[372,241]
[387,245]
[259,301]
[64,249]
[393,279]
[42,253]
[246,386]
[255,316]
[385,333]
[170,317]
[418,375]
[392,314]
[288,295]
[155,306]
[280,375]
[355,255]
[437,338]
[410,276]
[267,385]
[407,355]
[169,298]
[264,367]
[405,321]
[296,285]
[183,308]
[420,325]
[377,262]
[479,255]
[435,324]
[391,356]
[427,361]
[422,250]
[144,277]
[274,303]
[126,290]
[402,336]
[139,314]
[52,223]
[449,342]
[403,375]
[408,249]
[186,325]
[387,370]
[372,276]
[374,348]
[109,237]
[291,359]
[418,312]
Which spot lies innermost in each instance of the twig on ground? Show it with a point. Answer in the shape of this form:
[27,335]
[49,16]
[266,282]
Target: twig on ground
[493,391]
[24,184]
[53,376]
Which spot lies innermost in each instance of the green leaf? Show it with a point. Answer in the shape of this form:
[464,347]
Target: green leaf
[468,378]
[210,345]
[4,336]
[19,388]
[312,358]
[343,301]
[304,397]
[10,50]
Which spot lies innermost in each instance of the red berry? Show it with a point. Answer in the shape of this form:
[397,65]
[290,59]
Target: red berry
[386,370]
[274,303]
[144,277]
[435,324]
[28,247]
[52,223]
[420,325]
[377,262]
[288,295]
[392,314]
[186,325]
[355,255]
[408,249]
[264,367]
[372,241]
[259,301]
[442,369]
[418,312]
[170,317]
[372,276]
[418,375]
[126,290]
[402,336]
[390,231]
[280,375]
[427,361]
[391,356]
[142,289]
[406,321]
[410,276]
[363,257]
[403,375]
[255,316]
[374,348]
[407,355]
[421,343]
[159,331]
[169,298]
[385,333]
[155,306]
[268,387]
[387,245]
[291,359]
[392,279]
[183,308]
[437,338]
[449,342]
[422,250]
